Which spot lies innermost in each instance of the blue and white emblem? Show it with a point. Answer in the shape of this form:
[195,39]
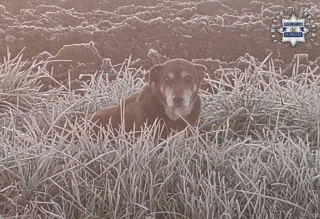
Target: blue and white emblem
[293,30]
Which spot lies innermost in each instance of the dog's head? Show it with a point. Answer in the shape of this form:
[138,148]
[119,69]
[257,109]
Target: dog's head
[176,83]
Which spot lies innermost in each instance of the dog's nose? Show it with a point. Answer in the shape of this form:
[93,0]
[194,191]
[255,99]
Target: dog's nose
[177,100]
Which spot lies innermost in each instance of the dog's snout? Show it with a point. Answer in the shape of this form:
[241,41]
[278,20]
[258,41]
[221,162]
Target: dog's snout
[177,100]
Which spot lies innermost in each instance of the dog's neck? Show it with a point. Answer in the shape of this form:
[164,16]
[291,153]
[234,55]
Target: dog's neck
[176,113]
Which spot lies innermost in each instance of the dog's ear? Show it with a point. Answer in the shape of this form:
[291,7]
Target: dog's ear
[201,69]
[152,75]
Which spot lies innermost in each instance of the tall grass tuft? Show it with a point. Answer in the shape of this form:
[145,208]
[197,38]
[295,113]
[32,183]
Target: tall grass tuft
[254,154]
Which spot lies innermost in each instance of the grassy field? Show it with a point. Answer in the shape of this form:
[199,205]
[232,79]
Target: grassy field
[254,154]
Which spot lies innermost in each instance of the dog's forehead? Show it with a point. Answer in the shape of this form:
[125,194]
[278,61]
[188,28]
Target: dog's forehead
[179,68]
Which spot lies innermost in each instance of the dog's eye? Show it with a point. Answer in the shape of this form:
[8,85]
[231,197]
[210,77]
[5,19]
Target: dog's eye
[167,79]
[188,78]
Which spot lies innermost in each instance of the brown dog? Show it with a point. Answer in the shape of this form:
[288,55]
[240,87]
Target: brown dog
[170,97]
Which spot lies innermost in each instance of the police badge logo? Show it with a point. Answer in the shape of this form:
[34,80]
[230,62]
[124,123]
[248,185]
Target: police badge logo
[293,30]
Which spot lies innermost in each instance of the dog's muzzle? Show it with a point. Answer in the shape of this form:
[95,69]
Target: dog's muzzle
[178,101]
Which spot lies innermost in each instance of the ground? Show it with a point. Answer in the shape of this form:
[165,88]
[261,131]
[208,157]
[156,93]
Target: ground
[219,30]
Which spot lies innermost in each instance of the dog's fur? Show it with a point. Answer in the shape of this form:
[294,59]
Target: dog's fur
[170,97]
